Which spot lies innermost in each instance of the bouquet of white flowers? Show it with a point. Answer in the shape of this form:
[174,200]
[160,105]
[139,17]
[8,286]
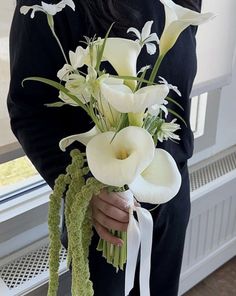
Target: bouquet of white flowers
[129,112]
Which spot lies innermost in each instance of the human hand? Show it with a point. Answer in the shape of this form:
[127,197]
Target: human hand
[109,211]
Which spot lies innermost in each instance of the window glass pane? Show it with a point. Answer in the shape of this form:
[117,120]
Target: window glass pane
[193,113]
[198,114]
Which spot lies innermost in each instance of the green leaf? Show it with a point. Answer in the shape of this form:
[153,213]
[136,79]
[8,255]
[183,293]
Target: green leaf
[100,53]
[56,85]
[56,104]
[124,121]
[142,78]
[177,115]
[174,102]
[132,78]
[156,68]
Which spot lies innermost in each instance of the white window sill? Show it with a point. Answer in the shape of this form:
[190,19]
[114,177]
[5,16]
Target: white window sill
[33,193]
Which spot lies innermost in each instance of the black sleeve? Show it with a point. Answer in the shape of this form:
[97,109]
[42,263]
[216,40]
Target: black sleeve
[34,52]
[191,4]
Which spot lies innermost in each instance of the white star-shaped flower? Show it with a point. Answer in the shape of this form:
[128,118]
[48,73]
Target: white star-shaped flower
[50,9]
[167,131]
[170,86]
[145,37]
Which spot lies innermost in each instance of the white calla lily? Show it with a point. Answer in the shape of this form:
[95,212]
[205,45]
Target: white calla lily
[83,138]
[124,100]
[119,161]
[122,54]
[49,9]
[178,18]
[159,182]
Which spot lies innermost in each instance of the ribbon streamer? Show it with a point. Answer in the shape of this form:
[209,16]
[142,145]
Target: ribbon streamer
[139,235]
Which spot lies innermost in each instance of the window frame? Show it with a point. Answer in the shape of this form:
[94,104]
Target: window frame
[208,138]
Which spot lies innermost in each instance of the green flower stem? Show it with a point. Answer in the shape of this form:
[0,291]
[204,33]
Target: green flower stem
[109,252]
[155,69]
[100,245]
[116,261]
[136,119]
[114,255]
[51,25]
[123,250]
[131,84]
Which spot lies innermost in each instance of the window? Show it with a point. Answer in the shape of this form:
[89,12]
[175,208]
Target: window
[203,118]
[198,114]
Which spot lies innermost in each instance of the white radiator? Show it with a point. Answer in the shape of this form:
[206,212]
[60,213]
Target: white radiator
[210,238]
[211,234]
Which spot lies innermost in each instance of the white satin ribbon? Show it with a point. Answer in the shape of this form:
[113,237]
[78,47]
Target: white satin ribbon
[139,234]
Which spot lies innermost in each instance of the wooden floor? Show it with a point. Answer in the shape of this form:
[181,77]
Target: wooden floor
[222,282]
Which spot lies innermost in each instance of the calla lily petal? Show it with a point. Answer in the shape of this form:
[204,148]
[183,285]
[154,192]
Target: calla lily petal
[119,161]
[178,18]
[83,138]
[125,101]
[159,182]
[122,54]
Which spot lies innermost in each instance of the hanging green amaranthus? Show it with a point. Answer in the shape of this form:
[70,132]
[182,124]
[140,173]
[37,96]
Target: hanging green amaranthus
[78,222]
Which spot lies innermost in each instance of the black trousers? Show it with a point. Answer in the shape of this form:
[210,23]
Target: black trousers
[170,222]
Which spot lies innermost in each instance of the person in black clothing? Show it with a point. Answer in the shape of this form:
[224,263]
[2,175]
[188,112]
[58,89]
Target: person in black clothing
[34,52]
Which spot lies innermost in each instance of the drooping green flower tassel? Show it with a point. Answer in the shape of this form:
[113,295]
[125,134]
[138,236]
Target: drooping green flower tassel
[54,233]
[78,222]
[81,234]
[75,175]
